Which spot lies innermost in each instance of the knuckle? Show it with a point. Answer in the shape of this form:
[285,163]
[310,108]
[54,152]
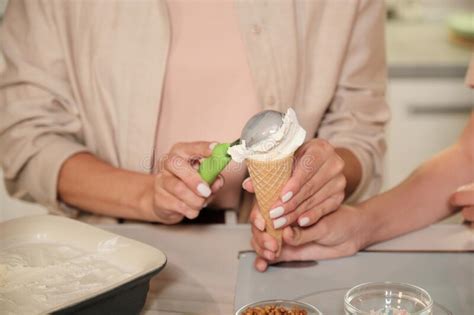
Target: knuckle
[291,205]
[181,206]
[179,189]
[351,248]
[339,198]
[341,183]
[317,213]
[177,146]
[297,239]
[339,164]
[325,146]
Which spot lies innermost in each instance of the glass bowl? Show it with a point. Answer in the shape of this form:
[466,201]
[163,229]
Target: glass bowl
[387,298]
[285,303]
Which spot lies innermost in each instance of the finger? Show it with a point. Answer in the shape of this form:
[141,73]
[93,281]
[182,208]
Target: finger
[309,159]
[182,192]
[193,150]
[256,218]
[218,183]
[330,170]
[265,240]
[468,213]
[314,213]
[262,251]
[248,185]
[167,205]
[297,236]
[312,209]
[462,198]
[182,169]
[260,264]
[314,251]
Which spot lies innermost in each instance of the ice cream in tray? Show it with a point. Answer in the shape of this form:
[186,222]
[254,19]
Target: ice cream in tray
[50,264]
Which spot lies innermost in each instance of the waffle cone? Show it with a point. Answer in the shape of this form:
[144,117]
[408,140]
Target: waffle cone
[268,179]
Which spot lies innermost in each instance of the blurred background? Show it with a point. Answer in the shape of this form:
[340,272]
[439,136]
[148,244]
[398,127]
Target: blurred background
[429,44]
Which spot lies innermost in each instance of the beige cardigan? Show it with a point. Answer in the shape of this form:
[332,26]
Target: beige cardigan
[88,76]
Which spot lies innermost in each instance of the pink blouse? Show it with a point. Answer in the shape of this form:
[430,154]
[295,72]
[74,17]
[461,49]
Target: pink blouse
[208,91]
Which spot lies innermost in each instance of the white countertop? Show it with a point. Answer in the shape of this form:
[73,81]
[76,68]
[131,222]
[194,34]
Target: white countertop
[201,273]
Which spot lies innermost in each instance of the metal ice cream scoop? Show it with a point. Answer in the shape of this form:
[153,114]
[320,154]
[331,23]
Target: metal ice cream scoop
[258,128]
[261,126]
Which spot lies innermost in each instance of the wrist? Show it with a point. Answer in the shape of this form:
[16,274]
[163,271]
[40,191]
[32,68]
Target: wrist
[143,200]
[368,226]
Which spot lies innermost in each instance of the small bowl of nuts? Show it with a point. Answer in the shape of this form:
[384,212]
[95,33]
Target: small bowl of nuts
[278,307]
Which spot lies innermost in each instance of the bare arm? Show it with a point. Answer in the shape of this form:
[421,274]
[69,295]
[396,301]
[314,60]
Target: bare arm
[174,192]
[423,198]
[352,170]
[86,182]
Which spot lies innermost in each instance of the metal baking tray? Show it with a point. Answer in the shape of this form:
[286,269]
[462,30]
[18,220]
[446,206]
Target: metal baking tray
[51,264]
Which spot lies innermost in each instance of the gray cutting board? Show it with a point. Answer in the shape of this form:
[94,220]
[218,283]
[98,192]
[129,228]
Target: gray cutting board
[448,277]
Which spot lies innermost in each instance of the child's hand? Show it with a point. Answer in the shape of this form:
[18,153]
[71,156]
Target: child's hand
[340,233]
[464,198]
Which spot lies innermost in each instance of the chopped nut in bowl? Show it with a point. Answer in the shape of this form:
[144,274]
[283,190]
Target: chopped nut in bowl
[278,307]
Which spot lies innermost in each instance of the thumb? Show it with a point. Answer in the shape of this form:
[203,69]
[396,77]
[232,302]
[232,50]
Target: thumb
[248,185]
[218,183]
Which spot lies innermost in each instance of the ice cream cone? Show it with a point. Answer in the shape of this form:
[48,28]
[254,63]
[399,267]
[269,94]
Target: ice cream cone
[268,178]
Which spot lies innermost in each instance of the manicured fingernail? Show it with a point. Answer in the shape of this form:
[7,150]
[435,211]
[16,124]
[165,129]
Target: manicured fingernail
[278,223]
[260,224]
[204,190]
[212,145]
[303,221]
[275,213]
[465,187]
[244,183]
[204,205]
[287,196]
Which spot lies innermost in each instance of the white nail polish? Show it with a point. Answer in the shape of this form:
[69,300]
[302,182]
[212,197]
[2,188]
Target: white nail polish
[287,196]
[204,190]
[278,223]
[260,224]
[275,213]
[303,221]
[466,187]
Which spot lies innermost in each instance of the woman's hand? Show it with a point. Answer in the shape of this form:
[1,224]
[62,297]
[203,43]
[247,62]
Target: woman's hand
[341,233]
[464,198]
[178,189]
[315,189]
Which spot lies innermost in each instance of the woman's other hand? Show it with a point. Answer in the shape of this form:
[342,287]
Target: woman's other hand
[178,190]
[315,189]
